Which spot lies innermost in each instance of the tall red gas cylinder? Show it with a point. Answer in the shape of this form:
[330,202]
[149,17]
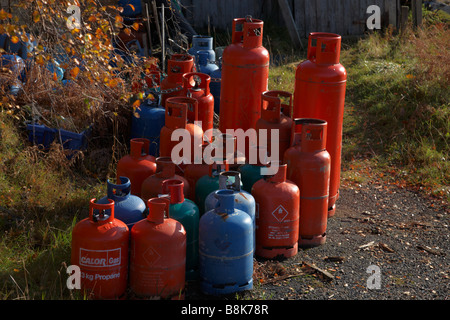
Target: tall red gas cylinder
[275,115]
[196,85]
[158,254]
[310,170]
[177,111]
[245,73]
[320,85]
[277,202]
[138,165]
[100,245]
[172,85]
[152,186]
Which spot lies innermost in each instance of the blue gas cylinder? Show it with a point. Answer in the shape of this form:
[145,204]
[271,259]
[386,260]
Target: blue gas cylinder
[131,8]
[148,122]
[225,247]
[244,201]
[204,43]
[214,86]
[127,207]
[204,64]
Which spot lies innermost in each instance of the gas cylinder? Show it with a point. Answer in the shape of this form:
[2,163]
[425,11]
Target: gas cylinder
[100,245]
[147,122]
[309,169]
[153,80]
[245,72]
[204,43]
[177,65]
[225,247]
[215,86]
[138,165]
[152,185]
[251,172]
[158,254]
[320,85]
[209,183]
[277,200]
[131,8]
[176,117]
[127,207]
[275,115]
[194,171]
[204,64]
[196,85]
[244,201]
[186,212]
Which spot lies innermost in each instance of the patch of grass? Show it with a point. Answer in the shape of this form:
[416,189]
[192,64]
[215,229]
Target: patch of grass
[397,105]
[41,198]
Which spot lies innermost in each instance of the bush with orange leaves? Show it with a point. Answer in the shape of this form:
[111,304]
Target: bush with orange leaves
[75,76]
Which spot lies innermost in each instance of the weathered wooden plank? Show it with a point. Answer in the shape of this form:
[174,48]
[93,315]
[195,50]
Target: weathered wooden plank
[392,9]
[310,17]
[299,17]
[339,17]
[290,23]
[416,7]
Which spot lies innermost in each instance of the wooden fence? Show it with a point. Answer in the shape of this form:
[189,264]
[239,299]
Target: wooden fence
[345,17]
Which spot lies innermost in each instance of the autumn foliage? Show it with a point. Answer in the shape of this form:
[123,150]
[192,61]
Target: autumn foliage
[73,77]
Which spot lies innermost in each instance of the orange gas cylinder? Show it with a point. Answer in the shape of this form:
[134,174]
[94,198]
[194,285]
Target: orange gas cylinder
[165,169]
[158,254]
[100,246]
[177,118]
[172,85]
[277,203]
[196,85]
[245,73]
[138,165]
[276,115]
[310,170]
[320,84]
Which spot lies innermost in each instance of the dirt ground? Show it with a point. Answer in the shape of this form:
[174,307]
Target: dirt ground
[401,235]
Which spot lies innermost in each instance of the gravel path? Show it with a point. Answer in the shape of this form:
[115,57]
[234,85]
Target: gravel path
[403,236]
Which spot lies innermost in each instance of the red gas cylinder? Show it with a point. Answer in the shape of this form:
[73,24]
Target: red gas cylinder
[153,79]
[177,111]
[276,115]
[158,254]
[165,169]
[245,73]
[172,85]
[310,170]
[320,84]
[194,171]
[196,85]
[138,165]
[100,248]
[277,214]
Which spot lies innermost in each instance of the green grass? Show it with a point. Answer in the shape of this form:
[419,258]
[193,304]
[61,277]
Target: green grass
[397,110]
